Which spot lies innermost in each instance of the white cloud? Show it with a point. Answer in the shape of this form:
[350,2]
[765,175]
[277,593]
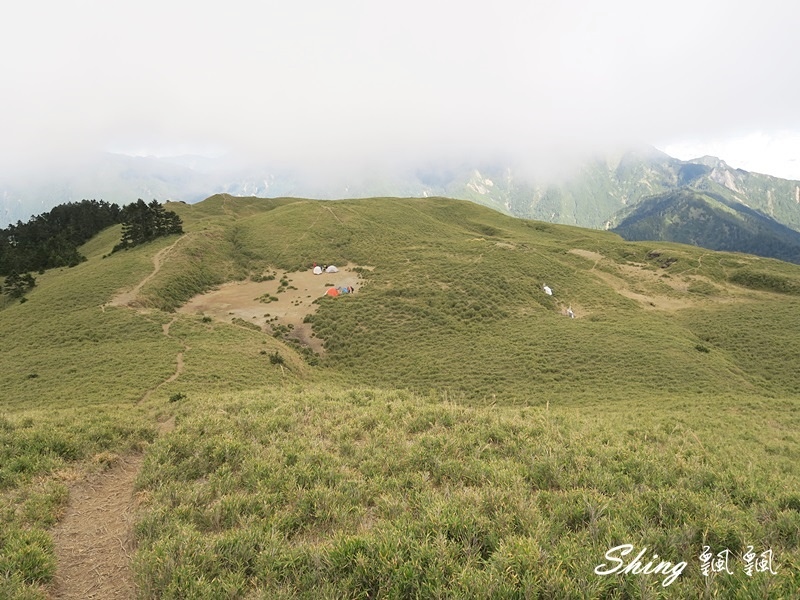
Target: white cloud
[775,154]
[352,81]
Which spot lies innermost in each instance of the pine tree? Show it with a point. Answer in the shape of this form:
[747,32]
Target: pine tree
[52,239]
[144,222]
[16,285]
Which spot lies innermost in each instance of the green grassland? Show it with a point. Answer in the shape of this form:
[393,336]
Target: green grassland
[374,493]
[459,437]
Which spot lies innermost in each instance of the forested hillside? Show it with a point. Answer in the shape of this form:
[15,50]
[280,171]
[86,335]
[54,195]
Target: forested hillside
[52,239]
[711,221]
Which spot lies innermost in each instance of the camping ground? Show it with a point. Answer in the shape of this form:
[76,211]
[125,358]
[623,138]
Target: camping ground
[272,303]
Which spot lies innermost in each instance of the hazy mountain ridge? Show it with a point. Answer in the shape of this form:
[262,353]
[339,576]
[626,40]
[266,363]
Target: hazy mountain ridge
[709,220]
[590,194]
[111,177]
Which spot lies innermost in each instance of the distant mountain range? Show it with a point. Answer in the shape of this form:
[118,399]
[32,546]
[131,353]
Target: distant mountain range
[709,220]
[601,192]
[598,193]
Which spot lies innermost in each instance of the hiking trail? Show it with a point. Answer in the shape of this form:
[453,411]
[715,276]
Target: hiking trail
[94,541]
[178,360]
[129,298]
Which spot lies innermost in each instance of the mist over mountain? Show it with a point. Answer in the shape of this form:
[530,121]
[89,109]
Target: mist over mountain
[592,193]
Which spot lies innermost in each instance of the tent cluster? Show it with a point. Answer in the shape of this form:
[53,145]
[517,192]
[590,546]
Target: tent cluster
[333,292]
[326,269]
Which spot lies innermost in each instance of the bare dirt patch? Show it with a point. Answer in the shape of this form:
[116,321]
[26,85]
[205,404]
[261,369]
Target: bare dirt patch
[588,254]
[648,301]
[94,540]
[505,245]
[250,300]
[639,282]
[166,426]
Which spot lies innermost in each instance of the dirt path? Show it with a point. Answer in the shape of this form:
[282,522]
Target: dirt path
[178,362]
[129,298]
[94,541]
[226,208]
[170,379]
[699,262]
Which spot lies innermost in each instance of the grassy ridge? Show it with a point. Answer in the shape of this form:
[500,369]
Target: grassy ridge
[454,299]
[461,437]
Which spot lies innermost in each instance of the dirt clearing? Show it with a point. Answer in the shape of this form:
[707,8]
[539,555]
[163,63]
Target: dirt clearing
[270,303]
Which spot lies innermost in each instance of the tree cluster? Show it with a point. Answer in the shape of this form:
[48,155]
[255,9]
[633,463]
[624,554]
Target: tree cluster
[143,222]
[52,239]
[16,285]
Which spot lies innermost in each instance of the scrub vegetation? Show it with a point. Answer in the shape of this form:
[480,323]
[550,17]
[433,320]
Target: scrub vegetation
[459,437]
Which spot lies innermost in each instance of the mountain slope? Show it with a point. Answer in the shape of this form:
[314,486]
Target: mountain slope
[459,436]
[453,300]
[597,190]
[454,296]
[710,221]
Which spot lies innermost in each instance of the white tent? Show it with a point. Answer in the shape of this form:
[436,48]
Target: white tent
[331,269]
[317,270]
[547,290]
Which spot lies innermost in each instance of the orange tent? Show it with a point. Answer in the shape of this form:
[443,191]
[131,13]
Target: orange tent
[333,292]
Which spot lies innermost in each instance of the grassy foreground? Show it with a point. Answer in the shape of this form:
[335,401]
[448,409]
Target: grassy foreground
[74,386]
[43,451]
[374,494]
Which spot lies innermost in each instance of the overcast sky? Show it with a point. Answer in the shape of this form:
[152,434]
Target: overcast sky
[352,82]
